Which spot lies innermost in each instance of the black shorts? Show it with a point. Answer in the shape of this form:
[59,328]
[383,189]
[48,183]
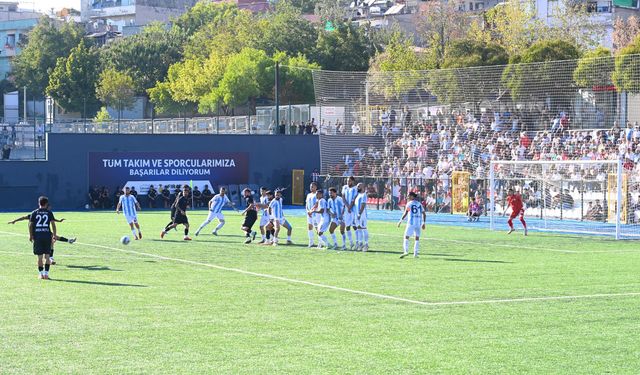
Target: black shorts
[42,246]
[249,220]
[180,219]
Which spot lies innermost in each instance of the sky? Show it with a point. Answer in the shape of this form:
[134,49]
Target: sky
[46,5]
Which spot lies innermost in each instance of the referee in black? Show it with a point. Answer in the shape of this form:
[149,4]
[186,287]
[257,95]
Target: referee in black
[251,215]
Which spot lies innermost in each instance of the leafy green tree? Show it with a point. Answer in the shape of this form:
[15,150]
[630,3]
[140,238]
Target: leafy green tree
[440,23]
[346,48]
[102,115]
[116,89]
[146,57]
[245,78]
[467,53]
[550,62]
[594,68]
[305,6]
[46,43]
[626,75]
[296,82]
[205,13]
[73,81]
[229,32]
[286,31]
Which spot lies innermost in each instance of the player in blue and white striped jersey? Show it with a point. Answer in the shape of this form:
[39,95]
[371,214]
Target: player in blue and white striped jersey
[349,194]
[216,204]
[336,210]
[322,209]
[130,205]
[416,222]
[277,215]
[312,217]
[360,206]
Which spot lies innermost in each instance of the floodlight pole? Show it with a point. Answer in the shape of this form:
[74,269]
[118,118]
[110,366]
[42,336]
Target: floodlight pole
[277,93]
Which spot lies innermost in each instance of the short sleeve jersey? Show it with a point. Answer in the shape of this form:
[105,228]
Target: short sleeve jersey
[41,220]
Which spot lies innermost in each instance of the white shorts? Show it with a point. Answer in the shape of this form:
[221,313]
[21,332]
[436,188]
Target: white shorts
[348,219]
[413,231]
[313,219]
[337,221]
[131,219]
[323,226]
[215,215]
[282,221]
[362,222]
[264,220]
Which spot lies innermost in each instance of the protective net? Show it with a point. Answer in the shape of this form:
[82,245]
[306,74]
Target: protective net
[590,197]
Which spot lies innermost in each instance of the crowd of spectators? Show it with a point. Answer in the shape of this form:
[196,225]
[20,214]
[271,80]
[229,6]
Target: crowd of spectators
[7,141]
[421,154]
[311,127]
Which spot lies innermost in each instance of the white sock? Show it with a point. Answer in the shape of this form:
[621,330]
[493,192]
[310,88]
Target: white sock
[288,238]
[405,245]
[323,238]
[344,240]
[358,236]
[333,237]
[350,237]
[220,225]
[264,237]
[366,235]
[416,247]
[133,231]
[310,234]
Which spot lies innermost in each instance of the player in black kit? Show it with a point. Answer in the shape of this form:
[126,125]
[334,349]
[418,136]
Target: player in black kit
[251,215]
[42,230]
[180,217]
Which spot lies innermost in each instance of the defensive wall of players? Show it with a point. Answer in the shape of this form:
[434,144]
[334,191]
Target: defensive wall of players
[76,161]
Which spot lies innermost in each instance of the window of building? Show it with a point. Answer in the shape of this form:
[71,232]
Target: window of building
[10,41]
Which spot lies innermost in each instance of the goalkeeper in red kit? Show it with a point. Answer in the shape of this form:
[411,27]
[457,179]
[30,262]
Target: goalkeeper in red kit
[514,201]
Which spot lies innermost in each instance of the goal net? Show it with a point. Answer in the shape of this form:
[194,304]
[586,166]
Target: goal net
[582,197]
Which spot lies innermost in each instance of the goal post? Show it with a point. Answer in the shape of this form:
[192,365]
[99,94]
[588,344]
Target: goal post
[578,196]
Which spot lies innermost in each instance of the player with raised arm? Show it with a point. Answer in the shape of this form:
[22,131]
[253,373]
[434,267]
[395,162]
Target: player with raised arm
[322,209]
[360,206]
[56,238]
[215,211]
[250,214]
[514,201]
[336,210]
[312,217]
[349,194]
[130,205]
[181,204]
[416,222]
[277,215]
[42,231]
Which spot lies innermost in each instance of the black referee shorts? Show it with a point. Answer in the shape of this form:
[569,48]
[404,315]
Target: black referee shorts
[42,246]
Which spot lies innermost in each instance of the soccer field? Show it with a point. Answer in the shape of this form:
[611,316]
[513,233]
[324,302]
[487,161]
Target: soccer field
[474,302]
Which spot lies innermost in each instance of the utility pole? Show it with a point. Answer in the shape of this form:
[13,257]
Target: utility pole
[277,89]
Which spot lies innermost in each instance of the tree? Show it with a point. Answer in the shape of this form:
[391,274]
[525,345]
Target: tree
[626,75]
[247,76]
[549,64]
[38,58]
[305,6]
[594,68]
[73,81]
[624,32]
[513,25]
[204,13]
[116,89]
[439,23]
[393,71]
[286,31]
[467,53]
[146,57]
[346,48]
[296,82]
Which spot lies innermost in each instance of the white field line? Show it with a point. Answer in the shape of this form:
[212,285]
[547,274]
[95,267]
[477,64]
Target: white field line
[361,292]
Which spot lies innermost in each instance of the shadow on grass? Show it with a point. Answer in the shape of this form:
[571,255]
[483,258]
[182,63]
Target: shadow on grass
[92,268]
[475,260]
[97,283]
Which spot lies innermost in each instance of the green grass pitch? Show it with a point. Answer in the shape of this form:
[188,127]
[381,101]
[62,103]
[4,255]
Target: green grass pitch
[475,302]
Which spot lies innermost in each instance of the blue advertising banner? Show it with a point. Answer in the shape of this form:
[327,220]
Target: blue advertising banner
[142,169]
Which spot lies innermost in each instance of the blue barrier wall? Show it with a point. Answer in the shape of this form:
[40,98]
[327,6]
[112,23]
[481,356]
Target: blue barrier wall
[64,175]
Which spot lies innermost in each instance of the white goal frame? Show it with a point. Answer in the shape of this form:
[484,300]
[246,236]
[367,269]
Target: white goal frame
[619,188]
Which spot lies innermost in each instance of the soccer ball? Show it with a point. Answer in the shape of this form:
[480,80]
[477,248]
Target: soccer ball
[125,240]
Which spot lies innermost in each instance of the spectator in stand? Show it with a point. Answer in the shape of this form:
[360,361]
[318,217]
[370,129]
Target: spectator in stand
[206,195]
[105,201]
[6,152]
[308,129]
[166,196]
[341,128]
[197,197]
[301,128]
[293,127]
[93,197]
[355,128]
[282,128]
[134,192]
[4,136]
[152,195]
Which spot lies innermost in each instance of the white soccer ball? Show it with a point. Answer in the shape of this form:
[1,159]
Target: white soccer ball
[125,240]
